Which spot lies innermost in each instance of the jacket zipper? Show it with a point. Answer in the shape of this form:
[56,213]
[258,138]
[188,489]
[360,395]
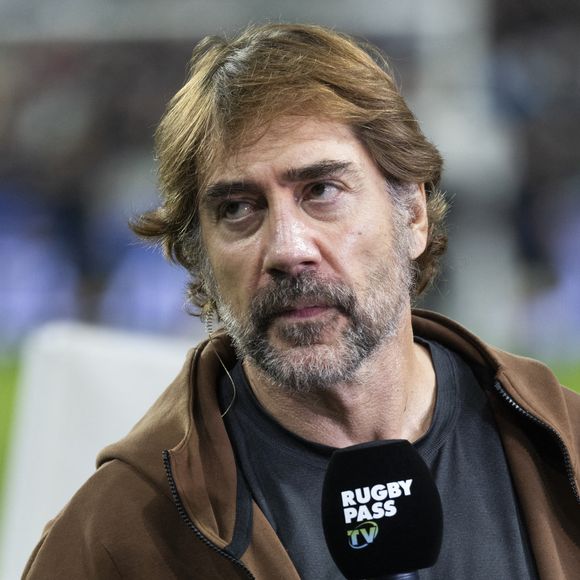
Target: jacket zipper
[565,454]
[185,517]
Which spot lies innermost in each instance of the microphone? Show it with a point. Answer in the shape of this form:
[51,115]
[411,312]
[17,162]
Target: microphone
[381,511]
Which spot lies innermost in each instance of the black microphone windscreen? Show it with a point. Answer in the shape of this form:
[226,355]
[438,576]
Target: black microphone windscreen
[381,510]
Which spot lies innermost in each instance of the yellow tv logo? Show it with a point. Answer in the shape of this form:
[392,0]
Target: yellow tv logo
[363,535]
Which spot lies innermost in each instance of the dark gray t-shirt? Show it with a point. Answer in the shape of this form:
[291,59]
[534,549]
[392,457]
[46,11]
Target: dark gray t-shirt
[483,534]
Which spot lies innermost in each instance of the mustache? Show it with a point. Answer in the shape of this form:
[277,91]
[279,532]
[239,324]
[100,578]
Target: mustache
[283,293]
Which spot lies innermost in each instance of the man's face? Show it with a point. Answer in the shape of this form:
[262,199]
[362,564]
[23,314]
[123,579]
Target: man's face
[308,258]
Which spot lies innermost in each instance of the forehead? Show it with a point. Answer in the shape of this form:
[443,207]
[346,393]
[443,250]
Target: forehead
[290,143]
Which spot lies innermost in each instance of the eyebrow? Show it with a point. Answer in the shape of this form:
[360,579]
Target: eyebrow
[319,170]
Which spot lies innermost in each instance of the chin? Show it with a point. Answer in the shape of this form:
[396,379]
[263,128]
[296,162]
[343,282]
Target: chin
[306,334]
[304,369]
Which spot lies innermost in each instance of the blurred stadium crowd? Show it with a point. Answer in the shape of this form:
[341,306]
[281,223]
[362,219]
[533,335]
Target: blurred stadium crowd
[537,88]
[76,164]
[76,128]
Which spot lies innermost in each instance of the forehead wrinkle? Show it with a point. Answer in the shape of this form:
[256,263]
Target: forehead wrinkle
[317,170]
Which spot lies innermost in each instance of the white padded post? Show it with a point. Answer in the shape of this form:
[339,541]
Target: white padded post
[81,388]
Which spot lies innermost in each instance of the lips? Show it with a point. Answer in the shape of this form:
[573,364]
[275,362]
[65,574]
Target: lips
[306,311]
[302,298]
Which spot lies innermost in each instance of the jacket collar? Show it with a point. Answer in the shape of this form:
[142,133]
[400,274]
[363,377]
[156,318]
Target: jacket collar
[528,382]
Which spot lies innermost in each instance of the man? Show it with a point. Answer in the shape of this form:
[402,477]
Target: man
[302,197]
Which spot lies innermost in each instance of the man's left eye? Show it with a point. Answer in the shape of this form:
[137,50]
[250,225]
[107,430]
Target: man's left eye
[322,190]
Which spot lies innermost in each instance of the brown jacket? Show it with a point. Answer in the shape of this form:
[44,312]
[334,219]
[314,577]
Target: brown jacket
[187,515]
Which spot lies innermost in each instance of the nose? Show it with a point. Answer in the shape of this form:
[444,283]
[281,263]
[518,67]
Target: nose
[291,244]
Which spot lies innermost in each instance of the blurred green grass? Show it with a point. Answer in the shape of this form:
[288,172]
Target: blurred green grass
[8,382]
[568,374]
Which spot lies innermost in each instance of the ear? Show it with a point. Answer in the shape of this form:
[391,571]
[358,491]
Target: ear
[419,223]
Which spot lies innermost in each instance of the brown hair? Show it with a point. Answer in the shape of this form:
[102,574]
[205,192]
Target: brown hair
[238,87]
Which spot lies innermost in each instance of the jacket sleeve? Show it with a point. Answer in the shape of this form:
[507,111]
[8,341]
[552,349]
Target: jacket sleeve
[82,540]
[63,552]
[121,525]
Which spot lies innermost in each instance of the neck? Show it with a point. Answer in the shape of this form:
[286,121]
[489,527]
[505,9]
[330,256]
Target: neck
[391,397]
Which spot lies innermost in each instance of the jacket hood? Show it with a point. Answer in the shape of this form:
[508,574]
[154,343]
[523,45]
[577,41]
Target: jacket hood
[188,423]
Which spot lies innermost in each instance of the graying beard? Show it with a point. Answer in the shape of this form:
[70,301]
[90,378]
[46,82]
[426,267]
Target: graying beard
[313,371]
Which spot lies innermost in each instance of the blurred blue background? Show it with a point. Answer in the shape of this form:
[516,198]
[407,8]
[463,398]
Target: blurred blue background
[83,83]
[496,86]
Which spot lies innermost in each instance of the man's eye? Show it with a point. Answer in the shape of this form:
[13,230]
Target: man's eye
[235,210]
[323,190]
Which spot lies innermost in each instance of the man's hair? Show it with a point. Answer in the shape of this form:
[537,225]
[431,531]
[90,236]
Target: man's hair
[237,88]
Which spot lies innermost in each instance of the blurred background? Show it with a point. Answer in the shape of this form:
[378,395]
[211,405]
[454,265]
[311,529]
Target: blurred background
[83,83]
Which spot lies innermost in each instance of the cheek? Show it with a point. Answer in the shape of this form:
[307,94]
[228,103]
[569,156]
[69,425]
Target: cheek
[368,239]
[359,251]
[233,272]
